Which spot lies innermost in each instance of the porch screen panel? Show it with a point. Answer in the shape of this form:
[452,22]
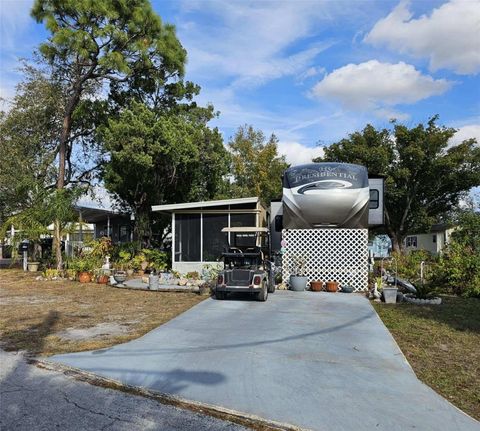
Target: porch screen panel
[187,237]
[214,240]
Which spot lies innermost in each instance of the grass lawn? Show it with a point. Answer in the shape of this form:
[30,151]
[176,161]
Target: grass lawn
[49,317]
[442,343]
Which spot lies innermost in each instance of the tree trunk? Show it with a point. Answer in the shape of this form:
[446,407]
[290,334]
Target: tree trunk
[143,228]
[62,151]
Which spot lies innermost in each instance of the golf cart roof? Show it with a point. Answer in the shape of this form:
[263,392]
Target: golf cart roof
[248,229]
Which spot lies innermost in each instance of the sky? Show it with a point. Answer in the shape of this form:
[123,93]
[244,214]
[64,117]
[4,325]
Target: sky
[311,72]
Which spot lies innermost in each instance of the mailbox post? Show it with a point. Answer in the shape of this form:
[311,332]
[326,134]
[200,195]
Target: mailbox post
[23,248]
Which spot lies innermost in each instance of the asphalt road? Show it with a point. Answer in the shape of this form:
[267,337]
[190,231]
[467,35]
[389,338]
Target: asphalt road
[317,360]
[34,399]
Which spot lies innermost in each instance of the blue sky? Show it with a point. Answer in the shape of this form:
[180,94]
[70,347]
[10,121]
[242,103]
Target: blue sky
[311,71]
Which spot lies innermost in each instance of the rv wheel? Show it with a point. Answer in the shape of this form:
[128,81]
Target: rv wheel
[220,295]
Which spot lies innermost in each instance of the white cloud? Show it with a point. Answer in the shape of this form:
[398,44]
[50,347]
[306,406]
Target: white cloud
[297,154]
[448,37]
[309,73]
[375,86]
[466,132]
[252,42]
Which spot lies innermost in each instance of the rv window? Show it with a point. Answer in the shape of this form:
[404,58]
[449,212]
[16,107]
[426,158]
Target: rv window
[278,223]
[374,199]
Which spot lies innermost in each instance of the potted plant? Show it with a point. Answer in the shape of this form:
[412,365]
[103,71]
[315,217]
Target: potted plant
[102,277]
[33,266]
[84,267]
[120,276]
[389,292]
[331,286]
[298,280]
[316,285]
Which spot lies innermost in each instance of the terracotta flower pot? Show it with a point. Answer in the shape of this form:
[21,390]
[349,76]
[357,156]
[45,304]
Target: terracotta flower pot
[332,286]
[102,279]
[316,286]
[84,277]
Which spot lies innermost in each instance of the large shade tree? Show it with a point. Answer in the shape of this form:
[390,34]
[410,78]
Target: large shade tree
[256,166]
[94,43]
[425,175]
[28,148]
[161,156]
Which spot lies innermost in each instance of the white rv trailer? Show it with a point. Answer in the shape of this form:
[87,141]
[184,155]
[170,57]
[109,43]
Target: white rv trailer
[325,195]
[324,216]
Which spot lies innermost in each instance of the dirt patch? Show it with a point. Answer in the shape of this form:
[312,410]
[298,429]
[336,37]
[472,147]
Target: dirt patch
[50,317]
[97,331]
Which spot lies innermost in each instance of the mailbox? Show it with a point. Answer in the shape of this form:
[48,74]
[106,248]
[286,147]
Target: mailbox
[23,246]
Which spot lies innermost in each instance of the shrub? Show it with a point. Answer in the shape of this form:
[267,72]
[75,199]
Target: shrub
[408,264]
[157,259]
[459,264]
[194,275]
[459,270]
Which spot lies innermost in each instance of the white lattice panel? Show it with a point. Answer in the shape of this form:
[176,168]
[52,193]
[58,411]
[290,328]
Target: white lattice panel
[330,255]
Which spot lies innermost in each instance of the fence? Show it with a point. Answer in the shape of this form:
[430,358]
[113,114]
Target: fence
[328,254]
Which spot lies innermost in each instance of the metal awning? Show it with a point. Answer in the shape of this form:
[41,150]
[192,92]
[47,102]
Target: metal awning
[204,204]
[248,229]
[94,215]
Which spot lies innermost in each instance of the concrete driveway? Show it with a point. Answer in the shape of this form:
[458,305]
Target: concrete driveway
[316,360]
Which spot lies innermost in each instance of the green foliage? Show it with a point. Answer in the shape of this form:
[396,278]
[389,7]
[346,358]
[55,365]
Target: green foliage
[425,176]
[28,141]
[210,272]
[194,275]
[84,263]
[256,166]
[161,158]
[107,39]
[51,274]
[408,264]
[459,264]
[100,248]
[93,43]
[157,260]
[44,207]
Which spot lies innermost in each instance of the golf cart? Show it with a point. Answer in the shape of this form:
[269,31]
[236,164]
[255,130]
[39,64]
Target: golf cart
[246,265]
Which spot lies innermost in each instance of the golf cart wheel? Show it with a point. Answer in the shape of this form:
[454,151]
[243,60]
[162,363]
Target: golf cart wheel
[263,294]
[271,286]
[220,295]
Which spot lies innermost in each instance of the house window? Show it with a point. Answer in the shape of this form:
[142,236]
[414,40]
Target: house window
[214,240]
[434,238]
[411,241]
[374,199]
[187,237]
[124,233]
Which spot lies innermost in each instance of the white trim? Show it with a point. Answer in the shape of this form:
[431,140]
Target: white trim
[188,205]
[173,238]
[246,229]
[201,237]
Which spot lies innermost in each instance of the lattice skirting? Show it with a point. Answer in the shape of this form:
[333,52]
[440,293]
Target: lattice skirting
[329,254]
